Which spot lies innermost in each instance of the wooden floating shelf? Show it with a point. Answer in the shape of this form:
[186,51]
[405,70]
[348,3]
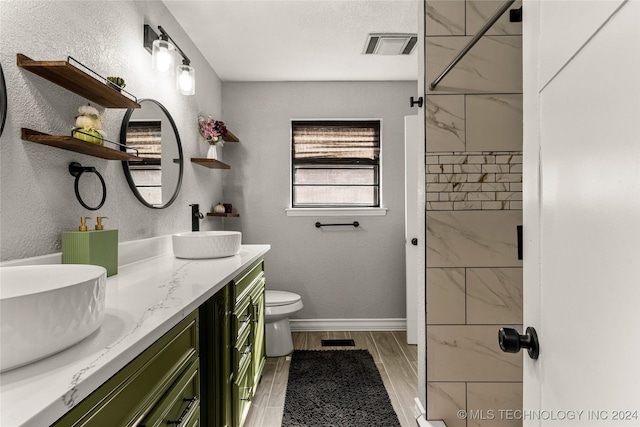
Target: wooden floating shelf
[230,138]
[77,145]
[210,163]
[77,81]
[224,215]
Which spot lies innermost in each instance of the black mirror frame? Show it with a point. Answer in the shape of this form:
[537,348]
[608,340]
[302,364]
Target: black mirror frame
[3,100]
[125,164]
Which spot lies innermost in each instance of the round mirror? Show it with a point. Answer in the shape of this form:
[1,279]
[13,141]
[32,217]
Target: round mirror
[3,101]
[151,132]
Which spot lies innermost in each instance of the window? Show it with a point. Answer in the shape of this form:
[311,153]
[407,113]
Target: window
[146,137]
[336,164]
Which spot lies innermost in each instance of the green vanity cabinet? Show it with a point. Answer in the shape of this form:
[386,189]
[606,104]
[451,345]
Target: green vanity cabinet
[149,390]
[203,372]
[232,350]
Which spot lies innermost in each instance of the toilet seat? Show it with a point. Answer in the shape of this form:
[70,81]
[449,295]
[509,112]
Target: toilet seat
[280,298]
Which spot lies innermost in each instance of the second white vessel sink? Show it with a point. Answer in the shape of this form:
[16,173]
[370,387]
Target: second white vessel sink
[206,244]
[45,309]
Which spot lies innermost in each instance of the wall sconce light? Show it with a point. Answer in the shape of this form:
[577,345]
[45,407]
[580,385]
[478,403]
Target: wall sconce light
[162,49]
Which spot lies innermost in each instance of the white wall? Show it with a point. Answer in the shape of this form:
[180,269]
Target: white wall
[36,190]
[341,273]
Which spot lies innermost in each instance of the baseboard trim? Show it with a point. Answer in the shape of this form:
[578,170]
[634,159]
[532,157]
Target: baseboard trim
[302,325]
[421,416]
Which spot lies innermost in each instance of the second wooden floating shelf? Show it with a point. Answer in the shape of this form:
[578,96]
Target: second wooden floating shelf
[77,145]
[230,138]
[210,163]
[77,81]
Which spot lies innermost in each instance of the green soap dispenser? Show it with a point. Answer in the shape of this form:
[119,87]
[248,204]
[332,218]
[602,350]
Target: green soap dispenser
[96,247]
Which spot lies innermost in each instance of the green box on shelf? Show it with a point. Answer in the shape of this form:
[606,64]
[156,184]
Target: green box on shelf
[96,247]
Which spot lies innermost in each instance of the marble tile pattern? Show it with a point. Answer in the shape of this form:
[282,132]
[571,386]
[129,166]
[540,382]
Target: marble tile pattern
[482,180]
[460,17]
[494,296]
[479,11]
[493,65]
[474,123]
[474,296]
[445,18]
[446,298]
[473,239]
[469,353]
[490,404]
[474,200]
[446,123]
[444,400]
[493,122]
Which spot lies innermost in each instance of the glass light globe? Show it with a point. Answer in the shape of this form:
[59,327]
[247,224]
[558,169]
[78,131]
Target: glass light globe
[186,80]
[163,57]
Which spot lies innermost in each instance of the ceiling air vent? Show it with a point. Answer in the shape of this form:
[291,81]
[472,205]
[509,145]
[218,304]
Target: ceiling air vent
[390,44]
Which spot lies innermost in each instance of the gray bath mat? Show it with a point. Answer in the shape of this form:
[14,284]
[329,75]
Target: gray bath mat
[338,388]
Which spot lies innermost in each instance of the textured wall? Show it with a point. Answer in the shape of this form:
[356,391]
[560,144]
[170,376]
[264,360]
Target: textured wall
[474,203]
[36,190]
[340,272]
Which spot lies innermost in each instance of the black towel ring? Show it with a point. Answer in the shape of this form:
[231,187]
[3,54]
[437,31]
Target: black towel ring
[76,169]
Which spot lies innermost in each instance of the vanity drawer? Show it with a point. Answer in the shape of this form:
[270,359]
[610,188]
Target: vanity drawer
[242,318]
[180,404]
[242,352]
[243,282]
[132,393]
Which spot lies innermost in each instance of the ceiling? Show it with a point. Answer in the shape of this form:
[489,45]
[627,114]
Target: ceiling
[298,40]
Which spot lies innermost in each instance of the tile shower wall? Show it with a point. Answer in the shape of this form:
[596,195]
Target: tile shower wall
[474,203]
[484,180]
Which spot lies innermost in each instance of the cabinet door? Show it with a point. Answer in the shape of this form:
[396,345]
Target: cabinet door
[215,357]
[259,351]
[242,393]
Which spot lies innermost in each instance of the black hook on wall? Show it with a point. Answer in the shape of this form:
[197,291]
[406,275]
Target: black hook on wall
[419,102]
[515,15]
[76,169]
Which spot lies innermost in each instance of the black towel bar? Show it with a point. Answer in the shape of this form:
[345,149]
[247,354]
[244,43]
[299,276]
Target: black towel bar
[352,224]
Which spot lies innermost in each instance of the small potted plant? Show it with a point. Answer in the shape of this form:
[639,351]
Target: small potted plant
[116,82]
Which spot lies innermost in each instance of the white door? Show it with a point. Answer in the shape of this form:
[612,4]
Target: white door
[414,221]
[582,212]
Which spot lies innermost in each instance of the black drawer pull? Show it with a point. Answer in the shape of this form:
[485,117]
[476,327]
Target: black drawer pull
[179,421]
[247,349]
[248,398]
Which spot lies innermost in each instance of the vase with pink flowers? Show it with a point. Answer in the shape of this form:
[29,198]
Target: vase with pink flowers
[213,131]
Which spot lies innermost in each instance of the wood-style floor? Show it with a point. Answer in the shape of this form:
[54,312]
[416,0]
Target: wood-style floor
[396,361]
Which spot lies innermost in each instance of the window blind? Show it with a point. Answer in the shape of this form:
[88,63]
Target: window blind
[348,142]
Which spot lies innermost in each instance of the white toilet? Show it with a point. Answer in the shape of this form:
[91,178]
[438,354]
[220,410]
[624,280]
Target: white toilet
[279,306]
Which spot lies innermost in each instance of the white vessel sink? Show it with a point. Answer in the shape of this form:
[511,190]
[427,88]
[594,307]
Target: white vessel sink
[45,309]
[206,244]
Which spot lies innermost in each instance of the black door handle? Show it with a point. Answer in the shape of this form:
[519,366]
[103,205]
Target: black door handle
[519,234]
[414,241]
[512,342]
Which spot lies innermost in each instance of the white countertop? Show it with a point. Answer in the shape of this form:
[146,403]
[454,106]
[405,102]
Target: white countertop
[143,302]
